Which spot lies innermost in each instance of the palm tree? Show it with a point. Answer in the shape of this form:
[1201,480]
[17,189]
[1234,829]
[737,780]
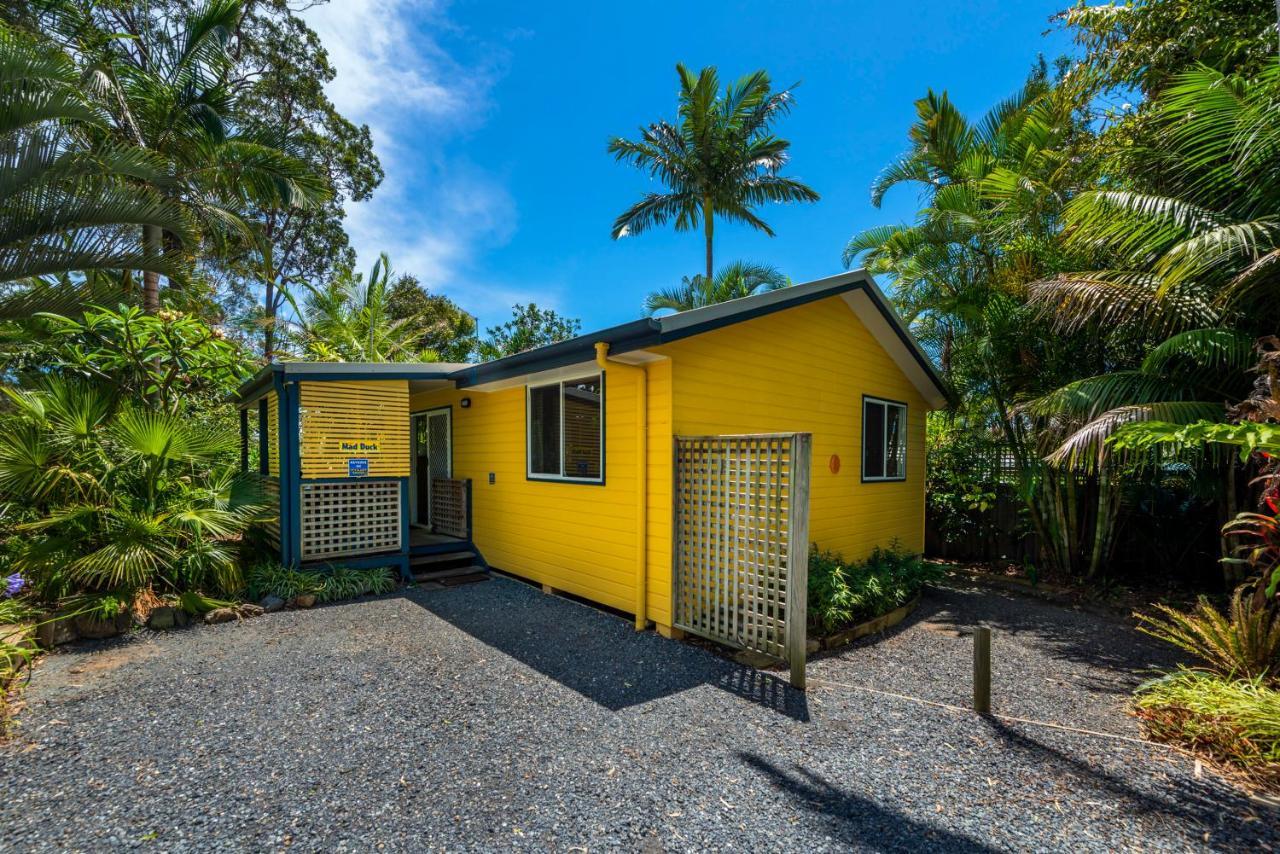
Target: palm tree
[1191,264]
[166,90]
[719,159]
[127,499]
[348,320]
[739,279]
[69,216]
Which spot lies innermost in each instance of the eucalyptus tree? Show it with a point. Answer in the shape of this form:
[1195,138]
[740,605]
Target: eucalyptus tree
[736,280]
[719,158]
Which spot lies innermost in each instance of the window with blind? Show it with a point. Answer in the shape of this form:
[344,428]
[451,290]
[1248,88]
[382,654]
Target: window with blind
[884,439]
[566,430]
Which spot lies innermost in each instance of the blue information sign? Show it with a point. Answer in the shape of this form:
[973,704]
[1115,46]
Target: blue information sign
[358,468]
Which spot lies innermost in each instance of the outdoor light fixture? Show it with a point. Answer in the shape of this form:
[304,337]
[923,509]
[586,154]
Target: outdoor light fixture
[465,403]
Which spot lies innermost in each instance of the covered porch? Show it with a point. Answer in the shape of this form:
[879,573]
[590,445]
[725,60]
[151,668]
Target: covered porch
[355,477]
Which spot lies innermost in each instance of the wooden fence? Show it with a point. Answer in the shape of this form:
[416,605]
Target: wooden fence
[741,513]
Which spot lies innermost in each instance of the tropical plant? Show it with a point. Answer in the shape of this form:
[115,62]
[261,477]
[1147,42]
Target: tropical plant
[68,213]
[171,359]
[1243,643]
[349,320]
[1232,721]
[736,280]
[127,499]
[719,159]
[442,326]
[529,327]
[1191,263]
[272,579]
[842,593]
[346,583]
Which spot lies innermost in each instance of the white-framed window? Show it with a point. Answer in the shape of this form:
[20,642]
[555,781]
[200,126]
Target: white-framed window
[565,432]
[884,439]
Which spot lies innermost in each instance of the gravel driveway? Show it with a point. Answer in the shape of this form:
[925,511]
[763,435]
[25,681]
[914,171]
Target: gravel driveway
[494,717]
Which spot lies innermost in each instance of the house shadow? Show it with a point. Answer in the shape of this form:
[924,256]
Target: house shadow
[856,821]
[595,653]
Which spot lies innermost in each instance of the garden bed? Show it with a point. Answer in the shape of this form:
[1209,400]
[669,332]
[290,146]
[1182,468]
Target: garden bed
[883,623]
[849,600]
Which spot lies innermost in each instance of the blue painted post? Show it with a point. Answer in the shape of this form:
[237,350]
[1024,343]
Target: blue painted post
[287,498]
[404,530]
[295,474]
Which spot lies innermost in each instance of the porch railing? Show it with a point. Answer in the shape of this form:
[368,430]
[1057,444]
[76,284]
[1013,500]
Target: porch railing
[451,507]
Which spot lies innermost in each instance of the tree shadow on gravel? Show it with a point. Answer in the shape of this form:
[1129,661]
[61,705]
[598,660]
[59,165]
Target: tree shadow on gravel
[1174,795]
[595,653]
[859,821]
[1082,637]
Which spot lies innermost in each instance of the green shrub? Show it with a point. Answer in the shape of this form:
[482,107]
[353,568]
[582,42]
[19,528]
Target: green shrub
[343,583]
[272,579]
[1244,643]
[843,593]
[1233,721]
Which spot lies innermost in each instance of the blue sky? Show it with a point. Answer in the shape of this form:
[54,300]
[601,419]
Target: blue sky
[492,118]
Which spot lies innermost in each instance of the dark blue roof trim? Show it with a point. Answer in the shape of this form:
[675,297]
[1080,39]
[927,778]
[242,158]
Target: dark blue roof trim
[634,335]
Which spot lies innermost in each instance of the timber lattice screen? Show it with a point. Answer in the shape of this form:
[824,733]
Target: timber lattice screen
[352,518]
[741,508]
[449,507]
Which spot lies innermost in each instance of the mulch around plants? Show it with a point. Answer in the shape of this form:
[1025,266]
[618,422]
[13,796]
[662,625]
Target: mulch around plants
[494,716]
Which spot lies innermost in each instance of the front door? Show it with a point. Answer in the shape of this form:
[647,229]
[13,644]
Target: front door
[432,457]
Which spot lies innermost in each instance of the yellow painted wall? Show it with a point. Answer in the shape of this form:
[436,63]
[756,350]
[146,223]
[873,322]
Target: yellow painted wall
[577,537]
[339,421]
[806,369]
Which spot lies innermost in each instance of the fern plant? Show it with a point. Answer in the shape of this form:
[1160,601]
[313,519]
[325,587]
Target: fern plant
[1243,643]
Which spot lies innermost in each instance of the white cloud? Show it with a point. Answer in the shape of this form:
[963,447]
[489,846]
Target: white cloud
[436,211]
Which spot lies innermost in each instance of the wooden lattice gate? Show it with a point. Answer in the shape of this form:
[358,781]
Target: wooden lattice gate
[742,542]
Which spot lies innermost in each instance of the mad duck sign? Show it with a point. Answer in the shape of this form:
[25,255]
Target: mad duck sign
[358,466]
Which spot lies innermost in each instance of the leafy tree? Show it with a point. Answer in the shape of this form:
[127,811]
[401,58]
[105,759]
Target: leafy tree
[1148,44]
[529,327]
[739,279]
[442,326]
[1192,269]
[172,359]
[280,69]
[993,194]
[719,159]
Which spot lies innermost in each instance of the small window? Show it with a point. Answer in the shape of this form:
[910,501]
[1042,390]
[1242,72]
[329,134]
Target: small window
[884,439]
[566,430]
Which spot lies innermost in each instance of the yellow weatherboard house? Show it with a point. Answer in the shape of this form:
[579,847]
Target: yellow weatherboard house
[584,465]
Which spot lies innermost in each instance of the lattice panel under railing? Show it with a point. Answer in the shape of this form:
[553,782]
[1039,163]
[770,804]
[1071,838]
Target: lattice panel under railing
[449,507]
[353,518]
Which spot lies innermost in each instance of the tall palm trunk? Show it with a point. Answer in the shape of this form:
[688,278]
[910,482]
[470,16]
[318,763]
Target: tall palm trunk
[708,228]
[151,242]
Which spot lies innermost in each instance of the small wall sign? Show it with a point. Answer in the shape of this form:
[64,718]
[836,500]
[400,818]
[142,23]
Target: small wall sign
[358,468]
[358,446]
